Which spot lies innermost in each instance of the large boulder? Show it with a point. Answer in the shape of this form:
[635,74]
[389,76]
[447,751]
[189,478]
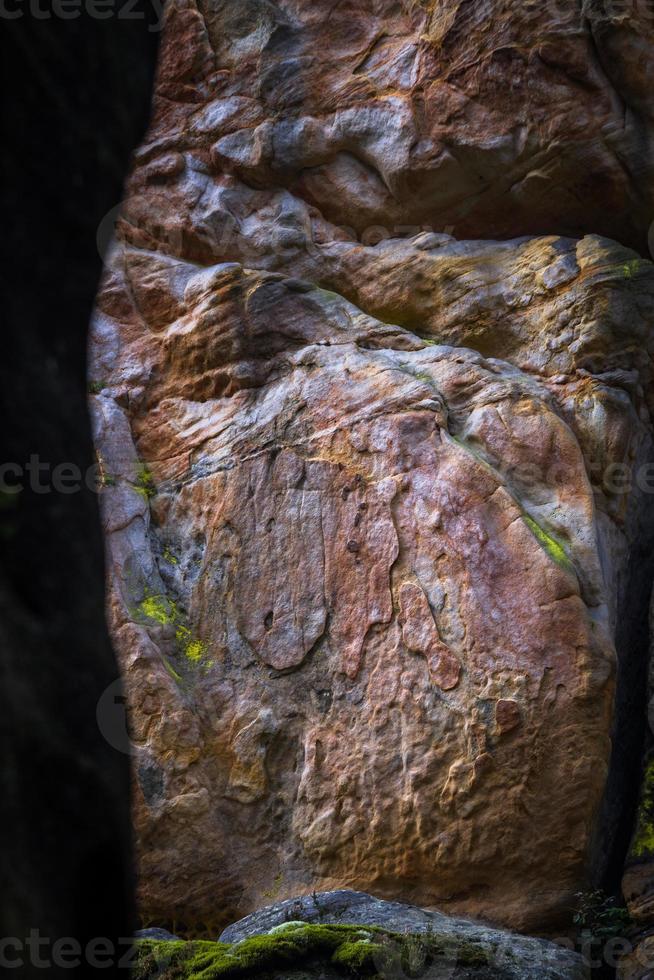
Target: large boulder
[367,579]
[376,514]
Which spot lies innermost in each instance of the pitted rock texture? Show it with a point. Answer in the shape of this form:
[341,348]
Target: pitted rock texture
[371,510]
[366,590]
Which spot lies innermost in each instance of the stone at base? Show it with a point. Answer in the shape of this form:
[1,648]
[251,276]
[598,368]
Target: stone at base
[510,955]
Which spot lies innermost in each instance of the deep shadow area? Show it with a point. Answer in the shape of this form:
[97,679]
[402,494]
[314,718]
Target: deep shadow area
[76,96]
[630,734]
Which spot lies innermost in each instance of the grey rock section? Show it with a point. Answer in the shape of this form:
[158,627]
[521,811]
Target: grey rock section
[512,956]
[156,935]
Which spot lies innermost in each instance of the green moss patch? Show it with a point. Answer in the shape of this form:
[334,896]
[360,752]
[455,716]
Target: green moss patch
[353,951]
[634,267]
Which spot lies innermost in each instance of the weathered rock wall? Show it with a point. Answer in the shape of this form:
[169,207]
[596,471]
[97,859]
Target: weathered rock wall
[372,511]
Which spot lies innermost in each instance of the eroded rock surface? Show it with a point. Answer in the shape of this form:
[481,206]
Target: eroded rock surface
[491,119]
[371,511]
[367,617]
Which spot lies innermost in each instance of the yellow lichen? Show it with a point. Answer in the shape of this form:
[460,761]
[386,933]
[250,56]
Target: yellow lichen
[549,544]
[276,887]
[195,651]
[159,609]
[631,268]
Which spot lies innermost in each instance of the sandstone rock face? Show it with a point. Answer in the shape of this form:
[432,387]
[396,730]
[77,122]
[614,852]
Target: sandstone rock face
[370,510]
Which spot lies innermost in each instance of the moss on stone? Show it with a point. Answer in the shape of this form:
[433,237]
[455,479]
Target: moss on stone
[549,544]
[171,670]
[554,548]
[354,951]
[361,958]
[634,266]
[144,482]
[414,372]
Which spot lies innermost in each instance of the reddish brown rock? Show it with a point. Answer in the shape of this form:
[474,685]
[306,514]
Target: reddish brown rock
[366,556]
[420,635]
[384,119]
[368,528]
[507,715]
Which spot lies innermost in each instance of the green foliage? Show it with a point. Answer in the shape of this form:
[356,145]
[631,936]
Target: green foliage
[643,845]
[600,915]
[144,482]
[95,387]
[633,267]
[354,950]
